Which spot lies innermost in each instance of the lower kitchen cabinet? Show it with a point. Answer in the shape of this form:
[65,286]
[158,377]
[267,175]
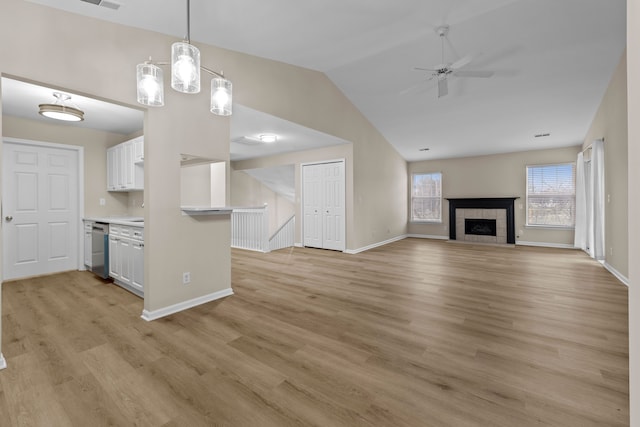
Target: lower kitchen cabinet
[137,265]
[126,257]
[88,228]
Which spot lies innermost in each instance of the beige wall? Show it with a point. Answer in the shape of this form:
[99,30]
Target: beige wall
[95,144]
[633,93]
[246,191]
[501,175]
[610,123]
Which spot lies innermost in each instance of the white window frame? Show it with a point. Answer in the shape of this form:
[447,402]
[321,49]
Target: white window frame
[555,226]
[418,220]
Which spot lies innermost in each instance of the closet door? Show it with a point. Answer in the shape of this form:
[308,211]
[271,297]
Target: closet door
[333,206]
[312,205]
[323,194]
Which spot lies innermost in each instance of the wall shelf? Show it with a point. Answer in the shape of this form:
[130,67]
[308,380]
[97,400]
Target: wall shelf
[205,210]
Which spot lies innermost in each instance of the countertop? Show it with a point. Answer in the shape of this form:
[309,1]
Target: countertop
[131,221]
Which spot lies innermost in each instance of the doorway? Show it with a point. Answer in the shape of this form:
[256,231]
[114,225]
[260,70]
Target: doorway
[323,205]
[41,199]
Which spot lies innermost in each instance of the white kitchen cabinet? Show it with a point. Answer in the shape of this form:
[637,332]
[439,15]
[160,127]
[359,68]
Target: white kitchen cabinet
[126,257]
[137,265]
[88,228]
[112,171]
[115,261]
[124,171]
[138,149]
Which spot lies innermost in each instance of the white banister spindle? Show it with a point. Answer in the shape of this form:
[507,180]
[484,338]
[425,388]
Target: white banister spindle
[250,230]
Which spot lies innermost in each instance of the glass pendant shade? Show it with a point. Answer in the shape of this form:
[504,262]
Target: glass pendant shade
[150,85]
[185,67]
[221,96]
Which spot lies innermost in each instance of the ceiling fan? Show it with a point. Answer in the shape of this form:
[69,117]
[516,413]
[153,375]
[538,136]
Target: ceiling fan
[444,70]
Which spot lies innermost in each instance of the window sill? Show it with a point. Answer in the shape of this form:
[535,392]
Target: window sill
[550,227]
[425,221]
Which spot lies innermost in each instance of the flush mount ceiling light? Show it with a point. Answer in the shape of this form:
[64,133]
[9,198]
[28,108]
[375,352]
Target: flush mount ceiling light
[268,138]
[185,77]
[62,109]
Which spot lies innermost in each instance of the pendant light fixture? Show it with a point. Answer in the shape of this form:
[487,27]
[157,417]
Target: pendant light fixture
[185,77]
[62,109]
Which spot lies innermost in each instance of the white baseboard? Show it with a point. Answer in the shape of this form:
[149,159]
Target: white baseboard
[3,362]
[428,236]
[298,245]
[185,305]
[546,245]
[375,245]
[616,273]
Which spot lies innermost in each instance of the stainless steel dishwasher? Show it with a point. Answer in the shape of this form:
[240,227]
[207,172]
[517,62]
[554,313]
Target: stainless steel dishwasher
[100,249]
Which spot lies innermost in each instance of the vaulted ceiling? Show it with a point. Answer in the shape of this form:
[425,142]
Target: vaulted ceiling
[551,60]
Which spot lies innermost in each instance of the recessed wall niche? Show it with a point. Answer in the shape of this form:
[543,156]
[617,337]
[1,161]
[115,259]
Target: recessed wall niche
[203,181]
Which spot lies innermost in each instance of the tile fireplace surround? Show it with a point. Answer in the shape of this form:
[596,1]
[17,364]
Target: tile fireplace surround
[499,208]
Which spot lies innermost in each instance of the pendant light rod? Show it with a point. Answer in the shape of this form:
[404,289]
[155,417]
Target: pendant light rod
[208,70]
[189,21]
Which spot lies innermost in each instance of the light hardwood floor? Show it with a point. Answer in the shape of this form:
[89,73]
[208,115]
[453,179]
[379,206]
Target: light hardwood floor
[415,333]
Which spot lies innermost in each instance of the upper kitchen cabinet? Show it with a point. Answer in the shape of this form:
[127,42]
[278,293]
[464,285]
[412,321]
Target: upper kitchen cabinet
[125,166]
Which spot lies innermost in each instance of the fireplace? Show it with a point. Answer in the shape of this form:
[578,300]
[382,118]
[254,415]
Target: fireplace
[480,227]
[482,220]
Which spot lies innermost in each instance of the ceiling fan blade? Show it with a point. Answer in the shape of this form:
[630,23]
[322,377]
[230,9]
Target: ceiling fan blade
[469,73]
[425,69]
[461,62]
[443,88]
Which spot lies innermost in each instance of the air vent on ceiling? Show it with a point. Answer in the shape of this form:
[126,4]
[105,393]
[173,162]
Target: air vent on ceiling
[104,3]
[246,140]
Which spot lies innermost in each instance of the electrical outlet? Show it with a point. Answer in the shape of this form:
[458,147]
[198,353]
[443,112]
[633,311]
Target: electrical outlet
[102,202]
[186,278]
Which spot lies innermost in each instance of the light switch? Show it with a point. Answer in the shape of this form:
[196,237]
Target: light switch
[102,202]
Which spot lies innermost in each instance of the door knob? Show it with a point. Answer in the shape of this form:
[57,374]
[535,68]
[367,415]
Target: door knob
[9,218]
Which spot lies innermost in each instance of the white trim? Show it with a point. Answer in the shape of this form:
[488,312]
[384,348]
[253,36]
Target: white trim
[185,305]
[80,186]
[375,245]
[298,245]
[428,236]
[616,273]
[546,244]
[3,362]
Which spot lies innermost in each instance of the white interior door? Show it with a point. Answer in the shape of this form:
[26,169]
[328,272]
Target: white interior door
[40,210]
[312,205]
[323,195]
[333,206]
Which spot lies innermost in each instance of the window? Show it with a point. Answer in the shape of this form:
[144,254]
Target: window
[551,195]
[426,197]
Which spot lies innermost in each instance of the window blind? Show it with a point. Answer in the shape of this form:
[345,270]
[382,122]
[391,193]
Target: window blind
[551,195]
[426,197]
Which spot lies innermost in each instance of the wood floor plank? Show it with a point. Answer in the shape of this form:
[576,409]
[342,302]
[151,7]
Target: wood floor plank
[413,333]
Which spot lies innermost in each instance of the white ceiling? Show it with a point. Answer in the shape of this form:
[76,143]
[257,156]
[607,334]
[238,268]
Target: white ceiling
[552,60]
[21,99]
[248,124]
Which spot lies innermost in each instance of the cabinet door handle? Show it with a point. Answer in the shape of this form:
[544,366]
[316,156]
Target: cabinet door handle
[9,218]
